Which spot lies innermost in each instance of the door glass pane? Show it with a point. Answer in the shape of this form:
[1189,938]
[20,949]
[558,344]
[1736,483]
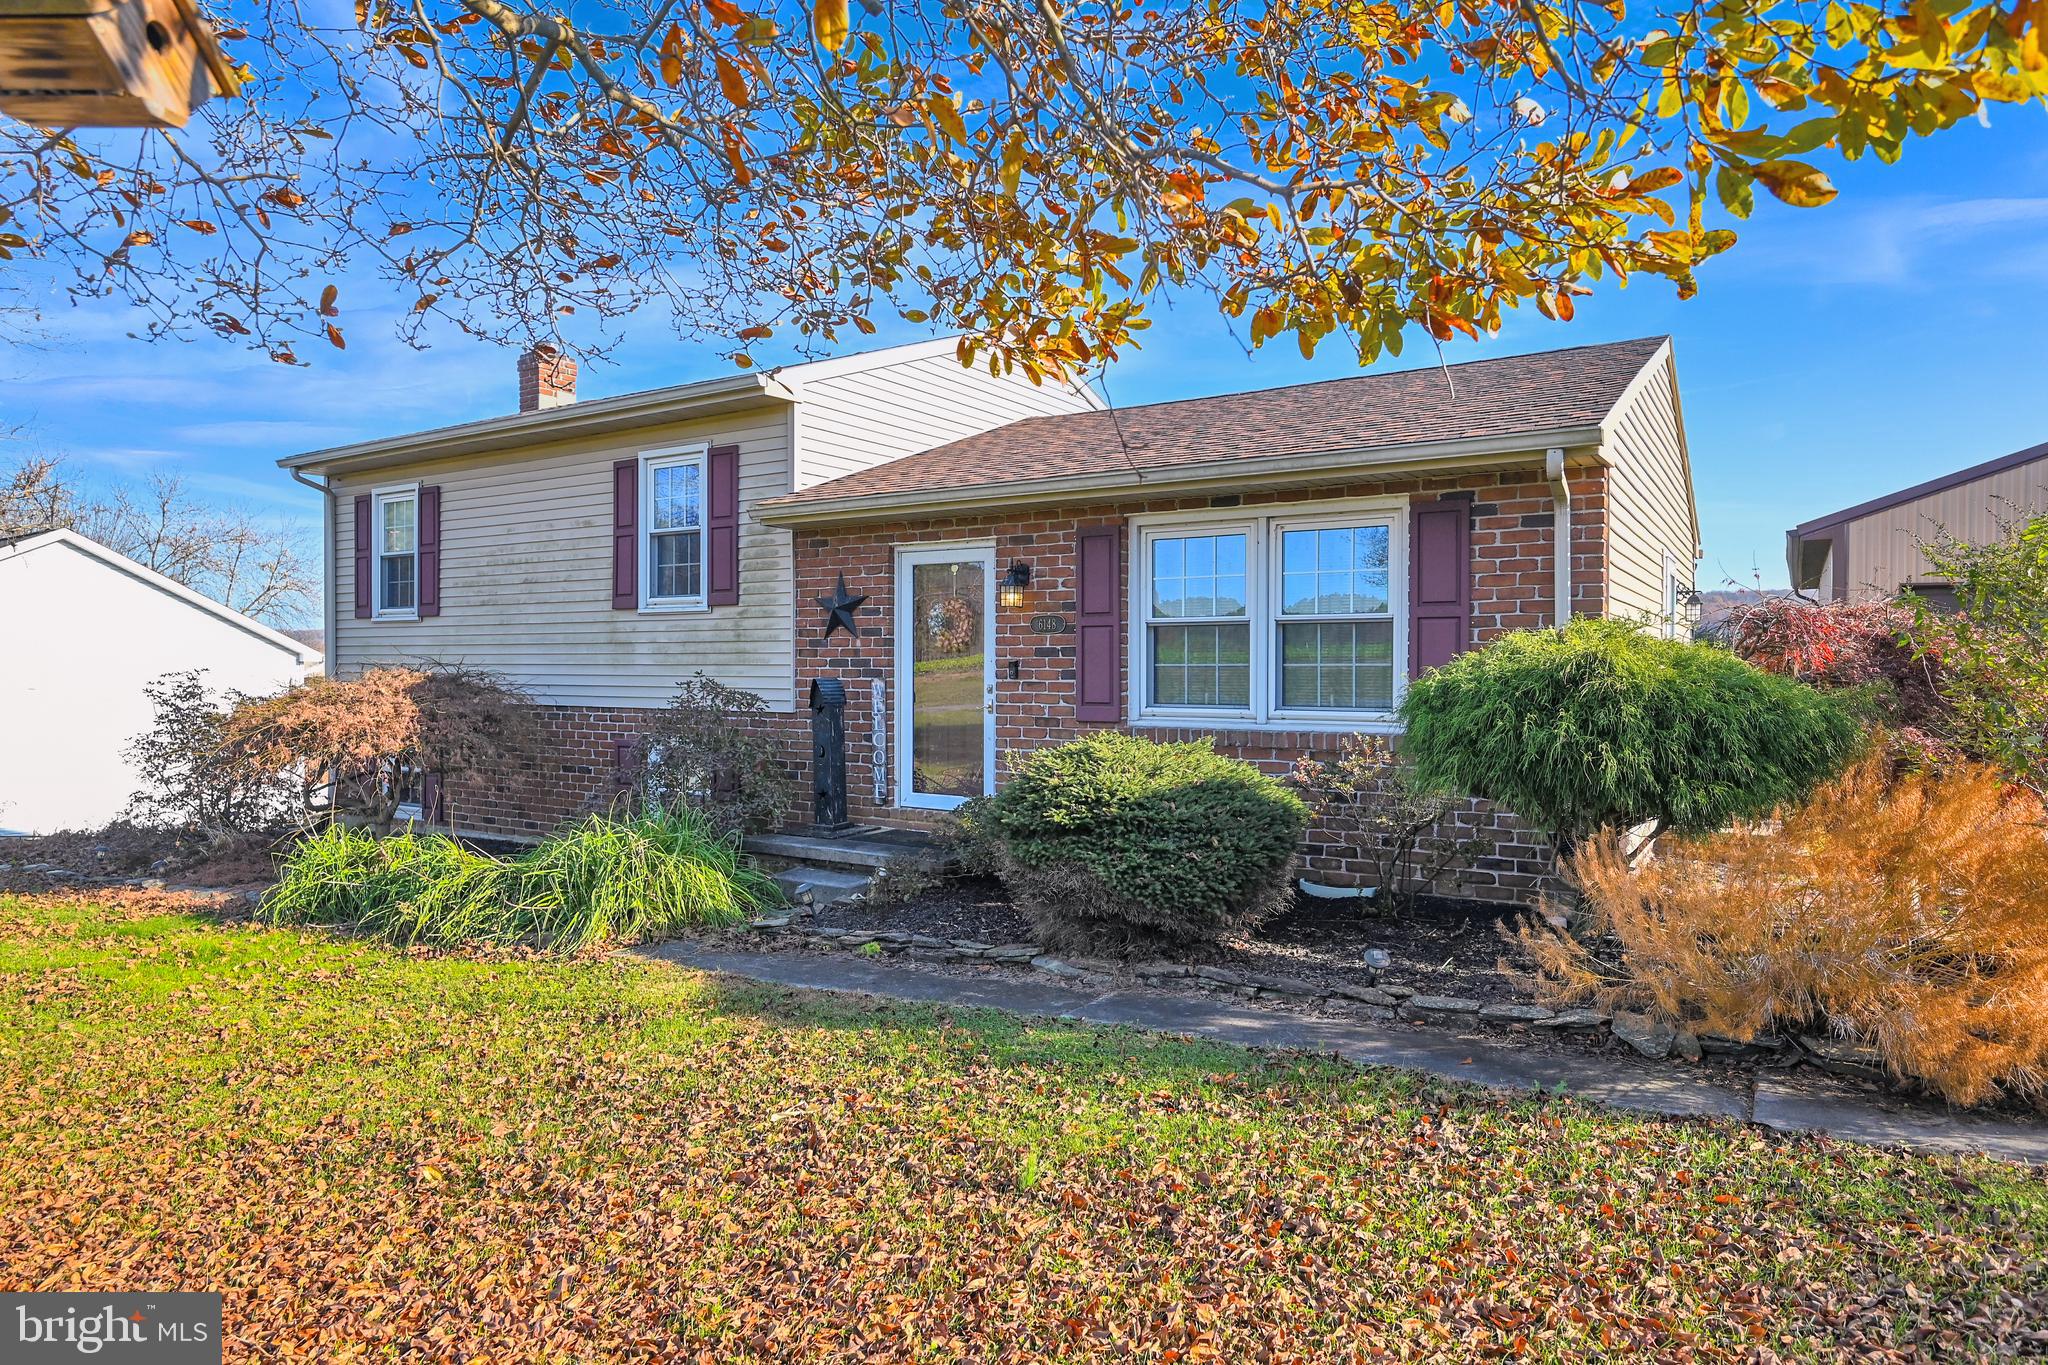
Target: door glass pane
[947,630]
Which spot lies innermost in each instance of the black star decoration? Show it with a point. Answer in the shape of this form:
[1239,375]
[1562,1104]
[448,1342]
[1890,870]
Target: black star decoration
[839,609]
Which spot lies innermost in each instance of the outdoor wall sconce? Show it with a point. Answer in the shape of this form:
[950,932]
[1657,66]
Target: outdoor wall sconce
[1011,595]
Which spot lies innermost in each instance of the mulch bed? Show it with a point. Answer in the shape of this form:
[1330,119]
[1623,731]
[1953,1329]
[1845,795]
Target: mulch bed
[1447,947]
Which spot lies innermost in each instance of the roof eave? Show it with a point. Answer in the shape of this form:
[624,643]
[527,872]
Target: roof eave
[1922,490]
[595,417]
[1419,458]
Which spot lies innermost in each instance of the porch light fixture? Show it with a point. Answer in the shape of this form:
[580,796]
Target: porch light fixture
[1011,595]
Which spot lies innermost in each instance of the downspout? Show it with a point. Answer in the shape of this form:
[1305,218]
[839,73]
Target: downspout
[1561,504]
[326,493]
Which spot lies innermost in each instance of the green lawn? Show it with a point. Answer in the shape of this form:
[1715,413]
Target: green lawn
[377,1154]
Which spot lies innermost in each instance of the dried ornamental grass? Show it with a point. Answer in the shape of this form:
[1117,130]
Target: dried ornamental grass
[1910,914]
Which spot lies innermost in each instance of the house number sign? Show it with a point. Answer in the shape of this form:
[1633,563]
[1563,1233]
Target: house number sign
[1050,624]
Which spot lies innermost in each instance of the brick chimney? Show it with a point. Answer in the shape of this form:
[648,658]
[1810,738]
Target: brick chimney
[547,378]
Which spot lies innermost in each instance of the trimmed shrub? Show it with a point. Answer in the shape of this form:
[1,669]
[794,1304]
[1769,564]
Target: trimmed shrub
[1906,912]
[599,881]
[1113,841]
[1600,724]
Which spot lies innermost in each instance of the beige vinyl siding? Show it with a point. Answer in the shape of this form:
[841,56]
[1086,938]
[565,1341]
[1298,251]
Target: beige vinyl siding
[854,420]
[1650,497]
[1884,547]
[526,574]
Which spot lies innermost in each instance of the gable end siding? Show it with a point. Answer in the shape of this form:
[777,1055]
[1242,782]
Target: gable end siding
[527,578]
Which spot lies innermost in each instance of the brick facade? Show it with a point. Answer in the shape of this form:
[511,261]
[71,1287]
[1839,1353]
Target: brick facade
[1513,587]
[576,769]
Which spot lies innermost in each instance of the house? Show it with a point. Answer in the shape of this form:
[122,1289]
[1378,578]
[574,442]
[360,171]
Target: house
[1018,563]
[1871,552]
[82,631]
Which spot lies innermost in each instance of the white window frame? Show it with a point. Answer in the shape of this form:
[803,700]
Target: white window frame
[669,457]
[410,811]
[1261,527]
[380,498]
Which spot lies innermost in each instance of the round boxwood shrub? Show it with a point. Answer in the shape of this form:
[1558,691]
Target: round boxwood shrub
[1600,723]
[1118,842]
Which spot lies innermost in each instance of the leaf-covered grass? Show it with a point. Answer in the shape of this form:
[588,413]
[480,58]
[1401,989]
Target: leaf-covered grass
[384,1154]
[600,881]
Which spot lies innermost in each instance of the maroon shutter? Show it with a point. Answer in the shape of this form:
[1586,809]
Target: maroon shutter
[722,527]
[432,810]
[1439,582]
[1098,623]
[430,550]
[626,535]
[363,580]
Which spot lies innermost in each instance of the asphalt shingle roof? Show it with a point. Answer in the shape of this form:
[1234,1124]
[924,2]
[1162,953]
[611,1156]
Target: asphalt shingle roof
[1546,391]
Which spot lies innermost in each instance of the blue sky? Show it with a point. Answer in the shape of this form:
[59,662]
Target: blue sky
[1834,354]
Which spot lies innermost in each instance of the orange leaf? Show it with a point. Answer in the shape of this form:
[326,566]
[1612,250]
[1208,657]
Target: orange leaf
[732,83]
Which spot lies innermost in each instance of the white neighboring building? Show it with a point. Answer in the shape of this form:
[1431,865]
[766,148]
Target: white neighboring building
[82,630]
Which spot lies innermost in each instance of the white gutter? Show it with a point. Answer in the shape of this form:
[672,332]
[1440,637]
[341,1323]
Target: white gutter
[1234,475]
[1561,505]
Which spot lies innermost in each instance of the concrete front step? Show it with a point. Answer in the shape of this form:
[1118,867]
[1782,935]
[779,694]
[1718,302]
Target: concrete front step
[824,885]
[868,848]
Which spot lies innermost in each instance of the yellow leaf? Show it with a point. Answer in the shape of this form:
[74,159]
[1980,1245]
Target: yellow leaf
[829,21]
[946,115]
[1796,183]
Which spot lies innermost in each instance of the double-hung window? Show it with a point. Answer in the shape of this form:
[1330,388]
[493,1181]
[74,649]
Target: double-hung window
[672,484]
[396,536]
[1291,618]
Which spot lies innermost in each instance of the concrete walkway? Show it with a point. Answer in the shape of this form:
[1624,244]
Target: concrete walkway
[1671,1091]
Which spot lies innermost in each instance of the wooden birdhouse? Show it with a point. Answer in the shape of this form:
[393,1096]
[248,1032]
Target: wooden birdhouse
[108,63]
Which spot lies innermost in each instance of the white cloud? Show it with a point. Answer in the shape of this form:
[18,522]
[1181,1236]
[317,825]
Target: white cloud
[1896,243]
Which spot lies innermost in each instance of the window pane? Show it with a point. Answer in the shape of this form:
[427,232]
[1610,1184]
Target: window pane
[1201,665]
[1337,665]
[395,582]
[400,526]
[678,497]
[677,564]
[1197,576]
[1334,571]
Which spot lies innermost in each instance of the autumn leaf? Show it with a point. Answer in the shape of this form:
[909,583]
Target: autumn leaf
[200,226]
[829,23]
[327,299]
[1796,183]
[731,82]
[334,338]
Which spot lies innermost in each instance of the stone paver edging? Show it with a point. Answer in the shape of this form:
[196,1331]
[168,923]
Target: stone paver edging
[1773,1104]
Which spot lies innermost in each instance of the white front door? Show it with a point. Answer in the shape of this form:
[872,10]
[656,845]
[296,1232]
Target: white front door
[945,674]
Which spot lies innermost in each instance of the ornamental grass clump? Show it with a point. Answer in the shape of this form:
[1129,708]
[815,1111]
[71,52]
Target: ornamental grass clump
[600,881]
[1910,913]
[1116,842]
